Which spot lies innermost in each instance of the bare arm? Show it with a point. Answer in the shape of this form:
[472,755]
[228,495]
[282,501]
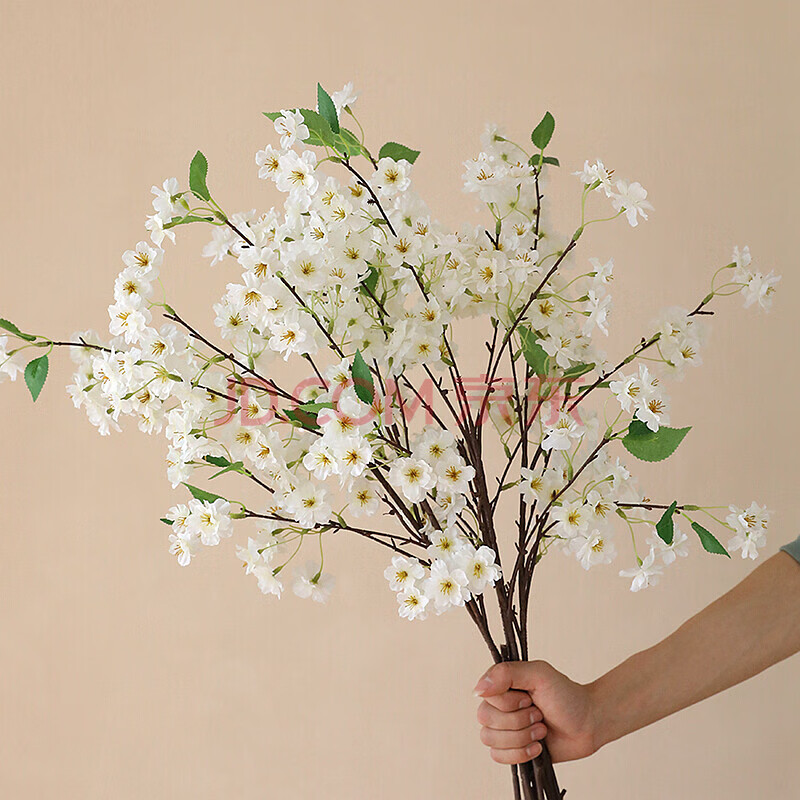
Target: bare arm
[753,626]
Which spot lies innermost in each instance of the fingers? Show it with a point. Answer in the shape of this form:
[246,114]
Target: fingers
[490,716]
[517,756]
[513,740]
[502,677]
[510,701]
[513,734]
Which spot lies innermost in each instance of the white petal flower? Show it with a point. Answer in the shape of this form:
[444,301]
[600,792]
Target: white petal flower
[403,573]
[346,96]
[760,289]
[645,574]
[392,177]
[632,199]
[411,604]
[291,127]
[446,587]
[480,568]
[311,582]
[413,477]
[749,526]
[211,521]
[563,434]
[593,547]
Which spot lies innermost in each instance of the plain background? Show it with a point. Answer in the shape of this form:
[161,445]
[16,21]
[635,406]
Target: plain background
[122,675]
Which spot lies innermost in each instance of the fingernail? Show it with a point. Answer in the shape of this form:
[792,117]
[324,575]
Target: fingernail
[483,684]
[533,750]
[533,717]
[525,702]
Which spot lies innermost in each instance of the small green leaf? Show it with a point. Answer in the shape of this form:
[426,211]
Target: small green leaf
[306,415]
[710,542]
[533,352]
[237,466]
[576,370]
[347,143]
[665,527]
[198,172]
[327,109]
[175,221]
[362,379]
[543,132]
[369,283]
[273,115]
[648,445]
[601,385]
[319,129]
[202,494]
[398,152]
[537,159]
[36,375]
[217,461]
[12,328]
[225,465]
[166,521]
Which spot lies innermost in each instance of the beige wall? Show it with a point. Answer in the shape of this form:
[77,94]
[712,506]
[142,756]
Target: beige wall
[122,675]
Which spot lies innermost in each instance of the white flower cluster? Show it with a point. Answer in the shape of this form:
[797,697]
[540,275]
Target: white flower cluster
[457,572]
[756,288]
[354,279]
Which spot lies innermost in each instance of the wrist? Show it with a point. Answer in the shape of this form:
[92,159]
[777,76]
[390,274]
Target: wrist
[597,714]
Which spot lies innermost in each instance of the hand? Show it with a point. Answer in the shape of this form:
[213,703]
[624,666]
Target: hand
[524,701]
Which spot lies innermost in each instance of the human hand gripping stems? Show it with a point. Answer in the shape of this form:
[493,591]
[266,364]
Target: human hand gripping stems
[355,282]
[747,630]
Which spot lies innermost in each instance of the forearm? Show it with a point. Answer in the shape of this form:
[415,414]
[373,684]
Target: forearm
[745,631]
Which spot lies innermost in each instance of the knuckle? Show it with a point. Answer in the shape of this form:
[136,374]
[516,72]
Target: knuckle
[499,673]
[484,713]
[539,731]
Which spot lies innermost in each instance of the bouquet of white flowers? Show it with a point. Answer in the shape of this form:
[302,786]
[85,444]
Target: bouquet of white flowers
[357,283]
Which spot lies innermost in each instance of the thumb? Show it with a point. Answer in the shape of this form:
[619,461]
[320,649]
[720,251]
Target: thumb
[502,677]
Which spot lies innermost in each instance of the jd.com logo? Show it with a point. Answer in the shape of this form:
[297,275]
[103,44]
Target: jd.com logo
[390,405]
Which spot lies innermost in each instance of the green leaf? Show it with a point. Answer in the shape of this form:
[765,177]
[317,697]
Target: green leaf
[186,220]
[273,115]
[202,494]
[576,370]
[533,352]
[166,521]
[12,328]
[347,143]
[647,445]
[36,375]
[543,132]
[327,108]
[362,379]
[319,129]
[225,464]
[665,527]
[398,152]
[710,542]
[217,461]
[237,466]
[537,159]
[601,385]
[370,282]
[306,414]
[198,172]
